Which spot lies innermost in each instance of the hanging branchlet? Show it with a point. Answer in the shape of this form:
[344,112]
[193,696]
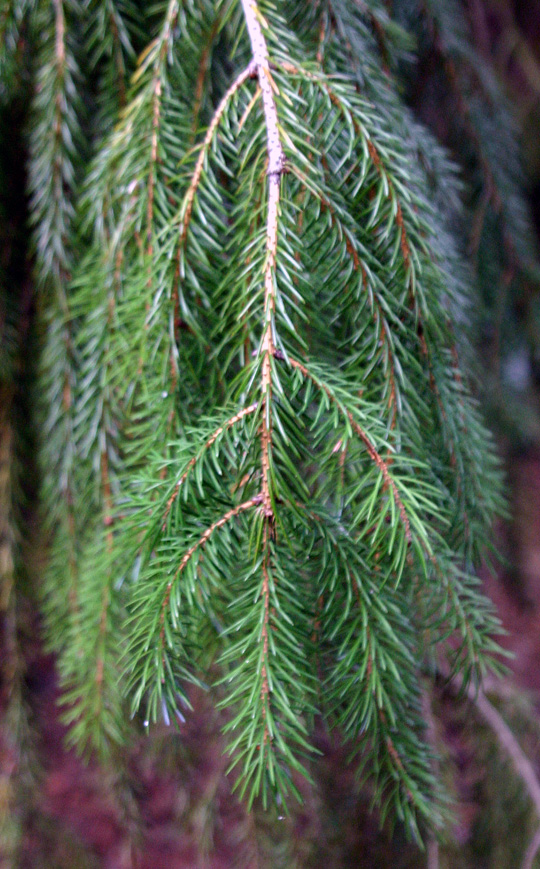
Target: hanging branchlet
[398,542]
[270,456]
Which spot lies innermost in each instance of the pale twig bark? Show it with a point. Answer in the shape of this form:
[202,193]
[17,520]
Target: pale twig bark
[532,851]
[523,767]
[276,166]
[508,742]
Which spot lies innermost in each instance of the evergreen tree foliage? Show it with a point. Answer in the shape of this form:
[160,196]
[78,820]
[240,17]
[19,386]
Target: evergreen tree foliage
[264,466]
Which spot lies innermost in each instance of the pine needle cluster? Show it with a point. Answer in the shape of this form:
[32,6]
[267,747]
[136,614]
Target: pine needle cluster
[264,467]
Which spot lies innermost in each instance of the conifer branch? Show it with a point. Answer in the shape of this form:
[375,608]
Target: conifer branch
[230,423]
[187,205]
[377,161]
[219,523]
[340,264]
[377,309]
[52,183]
[372,452]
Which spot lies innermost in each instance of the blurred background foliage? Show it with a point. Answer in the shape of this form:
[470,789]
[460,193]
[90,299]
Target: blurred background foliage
[474,79]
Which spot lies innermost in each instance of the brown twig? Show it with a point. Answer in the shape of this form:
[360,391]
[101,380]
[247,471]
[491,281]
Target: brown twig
[201,74]
[193,461]
[187,205]
[372,452]
[234,511]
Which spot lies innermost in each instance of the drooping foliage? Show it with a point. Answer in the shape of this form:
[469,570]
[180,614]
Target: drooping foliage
[264,467]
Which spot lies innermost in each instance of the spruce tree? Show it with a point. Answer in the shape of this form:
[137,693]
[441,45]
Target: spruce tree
[264,468]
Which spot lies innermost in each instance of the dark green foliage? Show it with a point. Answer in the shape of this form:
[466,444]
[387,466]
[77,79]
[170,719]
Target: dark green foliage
[263,463]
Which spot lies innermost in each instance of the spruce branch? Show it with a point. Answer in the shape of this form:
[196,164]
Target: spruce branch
[187,204]
[379,315]
[376,458]
[53,179]
[192,463]
[219,523]
[286,523]
[410,256]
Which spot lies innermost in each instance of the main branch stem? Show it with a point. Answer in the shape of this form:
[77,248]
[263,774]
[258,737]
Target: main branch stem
[276,163]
